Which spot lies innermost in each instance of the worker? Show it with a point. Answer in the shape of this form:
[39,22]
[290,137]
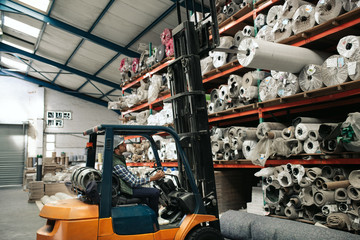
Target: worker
[131,184]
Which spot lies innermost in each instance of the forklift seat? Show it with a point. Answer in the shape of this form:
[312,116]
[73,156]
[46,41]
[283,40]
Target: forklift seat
[122,200]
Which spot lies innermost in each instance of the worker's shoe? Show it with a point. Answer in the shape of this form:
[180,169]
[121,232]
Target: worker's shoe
[162,221]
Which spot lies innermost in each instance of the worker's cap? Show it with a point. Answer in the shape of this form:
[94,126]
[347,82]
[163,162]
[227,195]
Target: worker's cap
[121,141]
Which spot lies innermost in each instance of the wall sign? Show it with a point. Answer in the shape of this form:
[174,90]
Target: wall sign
[56,118]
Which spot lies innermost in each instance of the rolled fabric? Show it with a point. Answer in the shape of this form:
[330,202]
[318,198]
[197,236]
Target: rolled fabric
[231,9]
[265,34]
[249,93]
[268,89]
[320,181]
[142,117]
[328,209]
[288,133]
[323,197]
[219,59]
[354,178]
[211,108]
[327,129]
[298,120]
[236,144]
[239,36]
[295,146]
[305,182]
[285,179]
[310,78]
[349,46]
[272,195]
[336,185]
[234,78]
[339,221]
[260,20]
[228,154]
[350,5]
[287,84]
[217,146]
[273,134]
[298,172]
[223,91]
[280,210]
[282,30]
[275,56]
[289,8]
[311,146]
[216,133]
[326,10]
[313,173]
[331,146]
[277,170]
[354,68]
[314,135]
[248,80]
[206,65]
[306,196]
[265,127]
[353,193]
[221,17]
[339,177]
[341,195]
[291,212]
[303,18]
[169,50]
[248,31]
[334,70]
[328,171]
[219,105]
[302,130]
[248,134]
[273,15]
[233,132]
[247,147]
[214,95]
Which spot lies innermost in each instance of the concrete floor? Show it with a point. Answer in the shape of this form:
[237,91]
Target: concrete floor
[19,220]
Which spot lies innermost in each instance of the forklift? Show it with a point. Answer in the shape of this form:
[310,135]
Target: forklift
[190,199]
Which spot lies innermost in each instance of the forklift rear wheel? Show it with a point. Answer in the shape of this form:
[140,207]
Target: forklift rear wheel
[205,233]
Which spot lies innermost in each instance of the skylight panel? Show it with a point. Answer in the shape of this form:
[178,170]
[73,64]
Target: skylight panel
[17,46]
[39,4]
[14,64]
[22,27]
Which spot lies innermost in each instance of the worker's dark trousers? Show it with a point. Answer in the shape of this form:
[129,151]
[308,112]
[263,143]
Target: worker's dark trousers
[150,197]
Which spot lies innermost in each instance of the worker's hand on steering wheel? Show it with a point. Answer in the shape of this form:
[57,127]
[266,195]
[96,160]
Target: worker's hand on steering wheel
[158,175]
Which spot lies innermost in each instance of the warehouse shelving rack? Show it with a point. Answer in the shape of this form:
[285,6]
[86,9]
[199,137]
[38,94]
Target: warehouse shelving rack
[341,95]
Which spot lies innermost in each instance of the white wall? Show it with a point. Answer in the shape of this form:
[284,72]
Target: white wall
[23,101]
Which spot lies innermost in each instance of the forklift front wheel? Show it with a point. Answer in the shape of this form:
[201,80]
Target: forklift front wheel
[204,233]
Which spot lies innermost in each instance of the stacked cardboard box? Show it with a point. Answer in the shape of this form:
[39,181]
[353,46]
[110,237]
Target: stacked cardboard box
[29,176]
[49,166]
[52,188]
[36,190]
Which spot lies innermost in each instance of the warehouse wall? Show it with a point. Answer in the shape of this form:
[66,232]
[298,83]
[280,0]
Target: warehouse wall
[21,101]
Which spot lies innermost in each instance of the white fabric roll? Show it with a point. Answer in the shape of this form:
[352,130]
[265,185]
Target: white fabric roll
[287,84]
[288,133]
[266,127]
[275,56]
[219,59]
[259,75]
[326,10]
[226,42]
[206,65]
[353,67]
[234,78]
[234,83]
[350,5]
[249,93]
[219,105]
[223,91]
[273,15]
[310,78]
[311,146]
[349,46]
[282,30]
[302,130]
[334,70]
[247,134]
[314,135]
[285,179]
[214,94]
[304,18]
[265,34]
[289,8]
[248,80]
[239,36]
[260,21]
[267,89]
[247,147]
[142,117]
[249,31]
[216,133]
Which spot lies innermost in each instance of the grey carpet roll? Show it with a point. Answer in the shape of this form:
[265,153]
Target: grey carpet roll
[310,78]
[267,89]
[211,109]
[234,78]
[302,130]
[272,195]
[249,31]
[354,68]
[354,178]
[303,18]
[285,179]
[233,131]
[314,135]
[248,134]
[323,197]
[336,185]
[311,146]
[341,195]
[287,85]
[291,212]
[350,5]
[223,91]
[247,147]
[328,171]
[236,144]
[288,133]
[221,17]
[214,94]
[265,34]
[313,173]
[219,59]
[277,170]
[260,20]
[219,105]
[353,193]
[334,70]
[231,9]
[289,8]
[326,10]
[249,80]
[282,30]
[217,133]
[265,127]
[339,220]
[328,209]
[206,65]
[305,182]
[273,15]
[243,225]
[298,120]
[217,146]
[249,93]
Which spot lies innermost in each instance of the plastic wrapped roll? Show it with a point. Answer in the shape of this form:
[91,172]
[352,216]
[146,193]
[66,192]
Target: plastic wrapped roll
[223,91]
[217,146]
[217,133]
[219,59]
[239,36]
[247,134]
[289,8]
[231,9]
[226,42]
[339,221]
[234,78]
[353,67]
[135,65]
[160,53]
[287,84]
[234,83]
[142,117]
[214,95]
[285,179]
[314,135]
[281,30]
[249,93]
[267,89]
[298,120]
[302,130]
[349,46]
[265,127]
[169,50]
[334,70]
[219,105]
[273,15]
[260,20]
[265,34]
[221,17]
[311,146]
[304,18]
[350,5]
[249,31]
[326,10]
[166,35]
[275,56]
[288,133]
[206,65]
[247,147]
[310,78]
[249,80]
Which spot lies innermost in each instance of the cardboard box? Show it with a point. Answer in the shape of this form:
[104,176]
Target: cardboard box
[36,190]
[52,188]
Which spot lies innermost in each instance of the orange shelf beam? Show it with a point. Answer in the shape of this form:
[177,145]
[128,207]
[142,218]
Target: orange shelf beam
[146,105]
[231,70]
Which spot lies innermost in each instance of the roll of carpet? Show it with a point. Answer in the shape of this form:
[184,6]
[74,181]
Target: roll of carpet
[328,209]
[206,65]
[334,70]
[339,221]
[234,88]
[310,78]
[248,80]
[288,133]
[295,200]
[349,46]
[165,36]
[353,193]
[295,146]
[223,91]
[265,34]
[135,65]
[311,146]
[231,9]
[298,120]
[260,20]
[247,134]
[141,117]
[289,8]
[314,135]
[285,179]
[313,173]
[267,89]
[234,78]
[221,17]
[326,10]
[219,59]
[335,185]
[282,30]
[272,195]
[298,172]
[217,146]
[275,56]
[160,53]
[217,133]
[210,108]
[142,94]
[249,93]
[169,48]
[354,178]
[302,130]
[331,146]
[305,182]
[248,31]
[303,18]
[323,197]
[239,36]
[287,84]
[228,154]
[353,67]
[265,127]
[341,195]
[273,134]
[232,56]
[219,105]
[291,212]
[233,132]
[306,196]
[273,15]
[236,144]
[350,5]
[214,95]
[247,147]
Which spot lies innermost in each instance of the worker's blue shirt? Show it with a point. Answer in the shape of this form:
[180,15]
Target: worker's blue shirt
[128,177]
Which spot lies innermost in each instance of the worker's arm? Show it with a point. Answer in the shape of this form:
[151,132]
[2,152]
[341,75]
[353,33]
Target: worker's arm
[134,181]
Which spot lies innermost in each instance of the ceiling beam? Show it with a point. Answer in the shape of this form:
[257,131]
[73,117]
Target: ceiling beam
[7,48]
[67,27]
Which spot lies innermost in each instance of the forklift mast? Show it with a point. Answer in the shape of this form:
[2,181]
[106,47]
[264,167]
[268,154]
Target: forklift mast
[191,42]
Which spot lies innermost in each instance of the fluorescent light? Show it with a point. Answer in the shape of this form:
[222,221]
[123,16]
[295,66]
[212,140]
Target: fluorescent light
[18,46]
[39,4]
[22,27]
[22,67]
